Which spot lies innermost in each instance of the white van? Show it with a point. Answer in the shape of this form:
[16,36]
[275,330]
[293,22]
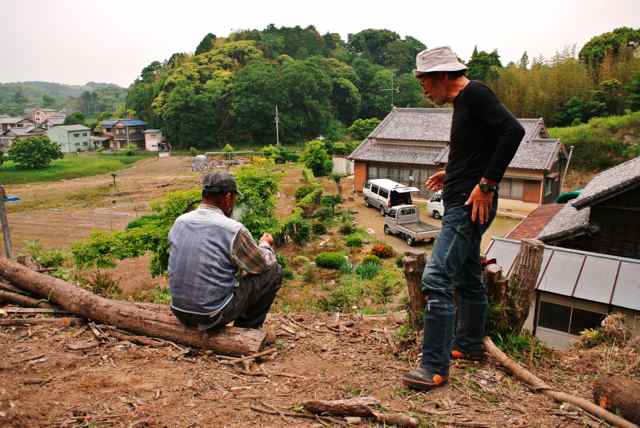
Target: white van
[435,207]
[383,194]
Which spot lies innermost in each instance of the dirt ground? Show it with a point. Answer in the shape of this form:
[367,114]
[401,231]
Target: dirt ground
[48,381]
[67,377]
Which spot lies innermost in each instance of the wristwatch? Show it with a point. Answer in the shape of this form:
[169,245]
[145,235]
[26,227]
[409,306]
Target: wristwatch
[487,188]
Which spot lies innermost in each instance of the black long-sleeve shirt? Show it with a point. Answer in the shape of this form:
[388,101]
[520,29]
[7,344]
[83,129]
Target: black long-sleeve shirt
[484,138]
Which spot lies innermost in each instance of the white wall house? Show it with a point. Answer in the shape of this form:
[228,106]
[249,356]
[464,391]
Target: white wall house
[71,138]
[152,138]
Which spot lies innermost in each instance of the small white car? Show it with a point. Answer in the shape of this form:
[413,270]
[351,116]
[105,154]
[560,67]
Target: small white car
[383,194]
[435,207]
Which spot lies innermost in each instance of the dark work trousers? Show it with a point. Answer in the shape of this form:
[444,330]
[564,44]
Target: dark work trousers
[454,265]
[248,308]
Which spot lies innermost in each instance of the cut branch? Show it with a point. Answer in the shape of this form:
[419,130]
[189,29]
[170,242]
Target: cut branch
[156,322]
[538,384]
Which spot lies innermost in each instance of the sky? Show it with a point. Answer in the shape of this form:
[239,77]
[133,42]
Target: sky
[77,41]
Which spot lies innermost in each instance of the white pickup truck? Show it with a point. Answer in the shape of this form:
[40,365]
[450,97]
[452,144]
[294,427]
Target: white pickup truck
[404,222]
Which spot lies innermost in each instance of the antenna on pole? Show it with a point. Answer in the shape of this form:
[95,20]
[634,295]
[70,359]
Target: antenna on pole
[393,89]
[277,121]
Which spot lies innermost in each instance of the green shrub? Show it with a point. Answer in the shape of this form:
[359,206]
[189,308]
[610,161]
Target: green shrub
[130,150]
[348,293]
[353,240]
[280,154]
[316,158]
[371,259]
[361,128]
[400,261]
[45,258]
[294,227]
[143,221]
[346,228]
[331,260]
[324,214]
[193,151]
[303,191]
[367,270]
[287,273]
[319,228]
[34,152]
[384,251]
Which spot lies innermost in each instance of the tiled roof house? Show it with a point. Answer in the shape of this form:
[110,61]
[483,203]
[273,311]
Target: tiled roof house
[412,143]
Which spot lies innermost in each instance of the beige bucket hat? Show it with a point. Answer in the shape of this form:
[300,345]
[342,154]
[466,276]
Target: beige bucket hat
[437,59]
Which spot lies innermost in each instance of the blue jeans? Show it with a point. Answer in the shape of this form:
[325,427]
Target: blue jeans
[454,266]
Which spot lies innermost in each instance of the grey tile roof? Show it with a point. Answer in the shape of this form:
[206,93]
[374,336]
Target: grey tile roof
[609,183]
[416,124]
[434,125]
[573,219]
[567,223]
[56,120]
[10,120]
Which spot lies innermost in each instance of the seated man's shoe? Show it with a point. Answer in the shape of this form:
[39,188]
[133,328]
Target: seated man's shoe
[424,380]
[457,354]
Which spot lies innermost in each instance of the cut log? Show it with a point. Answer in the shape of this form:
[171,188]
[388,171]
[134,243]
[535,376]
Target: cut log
[19,299]
[359,407]
[539,385]
[619,395]
[160,322]
[413,268]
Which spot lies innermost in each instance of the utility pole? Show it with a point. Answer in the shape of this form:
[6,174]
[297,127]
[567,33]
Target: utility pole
[5,224]
[392,89]
[277,121]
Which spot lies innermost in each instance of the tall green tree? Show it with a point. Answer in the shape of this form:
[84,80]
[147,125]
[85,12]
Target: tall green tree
[483,65]
[206,44]
[34,152]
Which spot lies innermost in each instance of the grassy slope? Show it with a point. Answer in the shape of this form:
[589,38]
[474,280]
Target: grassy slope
[72,166]
[603,141]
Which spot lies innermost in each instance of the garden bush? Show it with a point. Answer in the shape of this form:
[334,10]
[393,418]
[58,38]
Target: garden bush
[300,260]
[367,270]
[382,250]
[346,228]
[331,260]
[319,228]
[316,158]
[353,240]
[370,258]
[45,258]
[348,293]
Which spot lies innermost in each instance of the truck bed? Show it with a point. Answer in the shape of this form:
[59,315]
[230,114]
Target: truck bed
[419,227]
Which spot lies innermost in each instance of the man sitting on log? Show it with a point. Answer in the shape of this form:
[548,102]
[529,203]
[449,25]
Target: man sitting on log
[484,138]
[217,272]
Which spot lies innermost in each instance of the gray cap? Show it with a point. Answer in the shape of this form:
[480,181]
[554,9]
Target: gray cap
[437,59]
[220,182]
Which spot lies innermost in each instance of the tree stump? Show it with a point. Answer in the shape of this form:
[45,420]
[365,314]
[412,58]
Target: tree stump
[413,268]
[510,298]
[618,395]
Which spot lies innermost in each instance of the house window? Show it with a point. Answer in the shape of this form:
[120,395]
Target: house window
[567,319]
[76,135]
[373,172]
[84,134]
[511,188]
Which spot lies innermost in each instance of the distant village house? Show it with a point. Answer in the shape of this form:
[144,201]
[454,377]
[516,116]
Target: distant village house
[122,132]
[71,138]
[410,144]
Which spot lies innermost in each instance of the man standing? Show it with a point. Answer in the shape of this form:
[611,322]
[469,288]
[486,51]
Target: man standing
[217,273]
[484,139]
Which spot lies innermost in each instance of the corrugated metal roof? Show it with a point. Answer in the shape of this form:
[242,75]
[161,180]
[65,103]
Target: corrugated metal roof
[70,128]
[126,122]
[595,277]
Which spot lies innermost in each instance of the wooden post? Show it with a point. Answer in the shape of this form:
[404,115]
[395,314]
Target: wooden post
[8,249]
[413,268]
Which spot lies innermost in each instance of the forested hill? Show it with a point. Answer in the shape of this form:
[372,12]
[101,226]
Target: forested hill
[89,99]
[226,92]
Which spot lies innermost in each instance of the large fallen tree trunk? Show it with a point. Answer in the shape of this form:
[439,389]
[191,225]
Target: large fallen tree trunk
[619,395]
[539,385]
[156,322]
